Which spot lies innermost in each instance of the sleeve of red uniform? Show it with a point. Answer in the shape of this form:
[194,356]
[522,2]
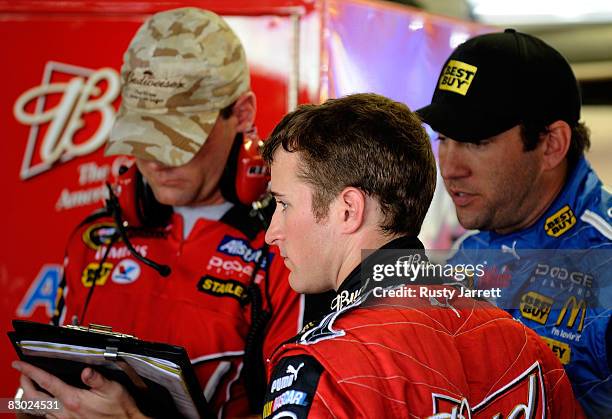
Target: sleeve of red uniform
[299,387]
[223,386]
[292,388]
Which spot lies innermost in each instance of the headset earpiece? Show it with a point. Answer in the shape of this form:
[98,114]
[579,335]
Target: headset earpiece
[137,201]
[124,187]
[245,178]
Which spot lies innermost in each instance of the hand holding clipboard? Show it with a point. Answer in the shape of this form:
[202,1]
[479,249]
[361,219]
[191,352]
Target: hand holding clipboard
[159,377]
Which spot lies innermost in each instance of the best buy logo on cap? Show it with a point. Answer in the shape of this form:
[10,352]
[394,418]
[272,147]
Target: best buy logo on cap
[457,77]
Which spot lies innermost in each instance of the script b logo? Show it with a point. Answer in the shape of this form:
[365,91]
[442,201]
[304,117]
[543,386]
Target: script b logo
[86,94]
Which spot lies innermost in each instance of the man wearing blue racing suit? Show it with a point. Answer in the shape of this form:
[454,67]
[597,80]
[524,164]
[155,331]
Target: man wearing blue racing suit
[507,110]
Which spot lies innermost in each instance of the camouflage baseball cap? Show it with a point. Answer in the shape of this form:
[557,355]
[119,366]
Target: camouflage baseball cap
[182,67]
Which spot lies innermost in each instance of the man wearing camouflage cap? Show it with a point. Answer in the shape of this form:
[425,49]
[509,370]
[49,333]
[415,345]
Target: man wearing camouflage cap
[186,106]
[181,69]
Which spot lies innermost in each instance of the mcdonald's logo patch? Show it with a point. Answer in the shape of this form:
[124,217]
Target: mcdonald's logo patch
[575,308]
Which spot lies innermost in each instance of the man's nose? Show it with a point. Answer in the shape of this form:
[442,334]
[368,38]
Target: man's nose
[453,160]
[273,231]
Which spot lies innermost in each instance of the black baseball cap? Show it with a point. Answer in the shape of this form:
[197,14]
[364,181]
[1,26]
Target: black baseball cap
[492,82]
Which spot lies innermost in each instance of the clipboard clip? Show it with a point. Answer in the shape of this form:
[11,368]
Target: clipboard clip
[101,329]
[111,353]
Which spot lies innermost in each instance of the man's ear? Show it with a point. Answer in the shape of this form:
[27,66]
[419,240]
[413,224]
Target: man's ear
[351,209]
[244,109]
[556,143]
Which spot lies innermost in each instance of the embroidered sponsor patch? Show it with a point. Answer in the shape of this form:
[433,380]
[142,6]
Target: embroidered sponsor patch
[292,387]
[457,77]
[571,311]
[126,272]
[93,271]
[285,381]
[345,299]
[560,349]
[558,274]
[524,396]
[99,234]
[233,268]
[560,222]
[120,252]
[536,307]
[222,287]
[234,246]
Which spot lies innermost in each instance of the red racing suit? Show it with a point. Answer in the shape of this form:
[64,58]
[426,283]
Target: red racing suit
[419,357]
[200,305]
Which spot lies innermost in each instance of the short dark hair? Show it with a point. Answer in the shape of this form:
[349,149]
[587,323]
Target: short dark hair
[580,141]
[365,141]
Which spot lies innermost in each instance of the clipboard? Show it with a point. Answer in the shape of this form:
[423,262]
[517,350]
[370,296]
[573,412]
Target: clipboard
[158,376]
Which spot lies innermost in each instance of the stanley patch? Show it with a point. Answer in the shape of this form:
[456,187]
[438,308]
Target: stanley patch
[457,77]
[91,272]
[560,349]
[221,287]
[536,307]
[561,221]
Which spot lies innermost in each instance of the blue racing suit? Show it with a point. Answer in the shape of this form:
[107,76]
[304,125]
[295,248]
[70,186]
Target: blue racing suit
[563,293]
